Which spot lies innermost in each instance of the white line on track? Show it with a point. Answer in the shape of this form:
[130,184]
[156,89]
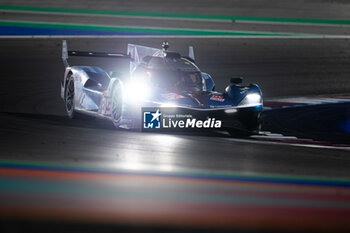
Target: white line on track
[310,100]
[291,23]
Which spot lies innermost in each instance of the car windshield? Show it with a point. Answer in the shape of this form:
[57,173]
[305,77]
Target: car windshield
[177,80]
[175,75]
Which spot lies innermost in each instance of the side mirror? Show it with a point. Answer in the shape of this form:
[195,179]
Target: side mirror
[238,80]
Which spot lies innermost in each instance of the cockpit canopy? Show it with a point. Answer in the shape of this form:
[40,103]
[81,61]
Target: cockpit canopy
[172,73]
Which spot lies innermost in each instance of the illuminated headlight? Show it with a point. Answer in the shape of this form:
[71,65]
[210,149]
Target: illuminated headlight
[137,92]
[251,100]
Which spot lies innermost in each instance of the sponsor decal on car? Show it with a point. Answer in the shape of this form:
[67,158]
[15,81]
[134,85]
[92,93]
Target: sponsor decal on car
[219,98]
[105,106]
[244,90]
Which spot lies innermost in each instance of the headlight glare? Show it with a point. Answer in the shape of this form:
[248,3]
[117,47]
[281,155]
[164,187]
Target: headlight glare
[137,92]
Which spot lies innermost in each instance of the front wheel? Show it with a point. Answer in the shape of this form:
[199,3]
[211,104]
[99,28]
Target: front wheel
[250,127]
[117,104]
[235,133]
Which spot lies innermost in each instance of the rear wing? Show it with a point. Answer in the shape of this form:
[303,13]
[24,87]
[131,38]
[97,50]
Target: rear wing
[66,53]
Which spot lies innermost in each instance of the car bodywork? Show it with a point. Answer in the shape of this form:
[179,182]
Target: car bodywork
[95,91]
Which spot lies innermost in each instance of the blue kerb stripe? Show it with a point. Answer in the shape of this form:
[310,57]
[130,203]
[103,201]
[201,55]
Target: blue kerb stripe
[28,31]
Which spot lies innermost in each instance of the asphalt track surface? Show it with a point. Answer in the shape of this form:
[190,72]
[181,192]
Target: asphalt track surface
[83,175]
[34,128]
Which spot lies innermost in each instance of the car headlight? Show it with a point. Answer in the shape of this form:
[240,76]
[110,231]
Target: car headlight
[137,92]
[252,99]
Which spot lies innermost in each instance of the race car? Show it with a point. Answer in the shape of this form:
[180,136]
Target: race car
[157,78]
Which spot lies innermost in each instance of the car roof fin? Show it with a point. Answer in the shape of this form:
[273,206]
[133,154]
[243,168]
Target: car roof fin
[65,53]
[191,52]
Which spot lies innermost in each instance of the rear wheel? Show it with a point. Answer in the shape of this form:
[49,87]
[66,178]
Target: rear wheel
[69,97]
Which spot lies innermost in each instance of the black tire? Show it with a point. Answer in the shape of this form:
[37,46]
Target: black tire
[252,128]
[117,104]
[240,133]
[69,97]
